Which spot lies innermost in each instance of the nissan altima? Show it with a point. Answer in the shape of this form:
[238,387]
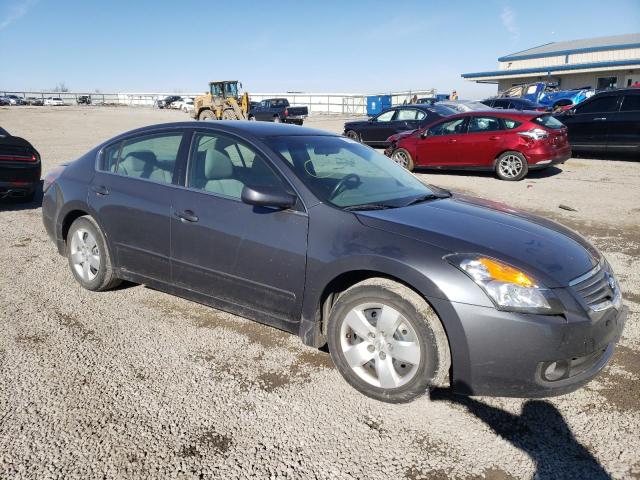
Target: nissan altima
[411,286]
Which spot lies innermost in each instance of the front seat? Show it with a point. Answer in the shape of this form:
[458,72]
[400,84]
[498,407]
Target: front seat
[218,171]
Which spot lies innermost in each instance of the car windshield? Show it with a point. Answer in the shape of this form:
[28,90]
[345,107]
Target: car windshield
[348,174]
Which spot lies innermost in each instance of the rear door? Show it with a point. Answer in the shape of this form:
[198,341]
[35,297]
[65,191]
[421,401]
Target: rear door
[131,194]
[481,143]
[589,125]
[408,119]
[624,128]
[441,146]
[244,258]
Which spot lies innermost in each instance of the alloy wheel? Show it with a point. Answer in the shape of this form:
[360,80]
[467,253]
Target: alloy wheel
[510,166]
[380,345]
[401,158]
[85,255]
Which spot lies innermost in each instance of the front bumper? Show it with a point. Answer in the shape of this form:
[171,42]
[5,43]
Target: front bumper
[498,353]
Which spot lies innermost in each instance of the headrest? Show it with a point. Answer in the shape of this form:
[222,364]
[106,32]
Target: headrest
[137,161]
[217,165]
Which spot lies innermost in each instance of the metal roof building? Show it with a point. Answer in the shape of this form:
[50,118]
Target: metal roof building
[602,62]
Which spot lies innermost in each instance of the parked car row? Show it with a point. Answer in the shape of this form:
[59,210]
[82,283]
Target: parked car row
[34,101]
[509,136]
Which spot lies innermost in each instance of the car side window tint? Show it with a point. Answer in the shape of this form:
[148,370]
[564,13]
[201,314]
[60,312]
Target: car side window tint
[630,103]
[483,124]
[406,114]
[599,105]
[386,116]
[510,124]
[109,161]
[223,165]
[451,127]
[151,157]
[501,104]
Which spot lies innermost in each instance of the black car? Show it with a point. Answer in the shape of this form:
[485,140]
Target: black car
[278,110]
[35,101]
[410,286]
[20,167]
[166,101]
[84,100]
[514,104]
[375,131]
[607,122]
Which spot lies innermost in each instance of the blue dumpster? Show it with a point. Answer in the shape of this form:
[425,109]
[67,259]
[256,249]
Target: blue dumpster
[377,103]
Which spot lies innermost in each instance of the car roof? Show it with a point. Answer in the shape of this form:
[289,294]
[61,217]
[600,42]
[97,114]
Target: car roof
[256,129]
[523,114]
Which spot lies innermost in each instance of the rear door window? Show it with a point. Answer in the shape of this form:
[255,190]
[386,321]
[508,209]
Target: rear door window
[510,124]
[406,114]
[152,157]
[484,124]
[452,127]
[630,103]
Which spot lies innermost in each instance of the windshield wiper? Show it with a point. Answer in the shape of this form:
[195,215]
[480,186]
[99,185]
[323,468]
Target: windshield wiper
[368,206]
[426,198]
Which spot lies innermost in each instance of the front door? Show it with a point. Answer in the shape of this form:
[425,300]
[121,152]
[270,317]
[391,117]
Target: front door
[247,259]
[379,128]
[441,145]
[131,194]
[589,124]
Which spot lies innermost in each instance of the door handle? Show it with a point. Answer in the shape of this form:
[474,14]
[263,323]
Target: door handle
[187,216]
[600,118]
[100,189]
[494,138]
[452,140]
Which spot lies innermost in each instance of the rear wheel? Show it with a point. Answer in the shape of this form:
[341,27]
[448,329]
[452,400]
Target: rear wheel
[511,166]
[387,342]
[353,135]
[88,255]
[403,158]
[206,115]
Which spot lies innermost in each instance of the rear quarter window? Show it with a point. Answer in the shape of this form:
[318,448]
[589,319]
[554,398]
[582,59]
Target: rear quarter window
[549,122]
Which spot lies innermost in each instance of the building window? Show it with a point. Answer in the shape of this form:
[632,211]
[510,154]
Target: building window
[607,82]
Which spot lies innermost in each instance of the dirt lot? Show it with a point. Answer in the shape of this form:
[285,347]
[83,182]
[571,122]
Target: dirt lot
[137,383]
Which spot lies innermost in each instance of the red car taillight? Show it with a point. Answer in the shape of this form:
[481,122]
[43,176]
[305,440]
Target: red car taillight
[286,112]
[14,157]
[51,176]
[534,134]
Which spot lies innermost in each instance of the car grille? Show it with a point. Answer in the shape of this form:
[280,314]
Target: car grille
[597,288]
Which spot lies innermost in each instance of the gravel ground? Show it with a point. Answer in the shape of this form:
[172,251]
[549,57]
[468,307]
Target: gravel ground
[136,383]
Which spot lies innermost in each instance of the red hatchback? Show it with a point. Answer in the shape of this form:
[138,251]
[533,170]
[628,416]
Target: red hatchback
[508,142]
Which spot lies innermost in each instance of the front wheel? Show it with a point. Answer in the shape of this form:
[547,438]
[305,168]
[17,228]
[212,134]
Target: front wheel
[403,158]
[89,256]
[353,135]
[387,342]
[206,115]
[511,166]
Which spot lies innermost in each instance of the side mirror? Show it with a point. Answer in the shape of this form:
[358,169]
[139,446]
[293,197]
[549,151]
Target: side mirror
[571,112]
[265,196]
[424,133]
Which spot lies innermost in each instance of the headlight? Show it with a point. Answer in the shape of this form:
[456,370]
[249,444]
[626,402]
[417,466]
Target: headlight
[507,287]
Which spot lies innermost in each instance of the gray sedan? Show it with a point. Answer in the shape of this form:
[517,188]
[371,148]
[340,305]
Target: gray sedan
[411,286]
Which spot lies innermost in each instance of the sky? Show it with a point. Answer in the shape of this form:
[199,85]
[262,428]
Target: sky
[328,46]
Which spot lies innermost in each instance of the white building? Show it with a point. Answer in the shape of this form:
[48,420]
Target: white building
[600,63]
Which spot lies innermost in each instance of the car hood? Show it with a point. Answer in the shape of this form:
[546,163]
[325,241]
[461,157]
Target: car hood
[399,136]
[554,254]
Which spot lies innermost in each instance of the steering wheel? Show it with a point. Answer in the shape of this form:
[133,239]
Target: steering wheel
[347,183]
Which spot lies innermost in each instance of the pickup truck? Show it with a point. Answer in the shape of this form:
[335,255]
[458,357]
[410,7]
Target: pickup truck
[278,110]
[549,95]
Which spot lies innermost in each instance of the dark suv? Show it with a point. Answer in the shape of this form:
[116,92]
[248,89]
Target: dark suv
[607,122]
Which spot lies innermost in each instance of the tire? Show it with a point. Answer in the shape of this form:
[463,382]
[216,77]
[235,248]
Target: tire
[403,158]
[374,364]
[511,166]
[229,114]
[85,241]
[206,115]
[353,136]
[252,118]
[277,120]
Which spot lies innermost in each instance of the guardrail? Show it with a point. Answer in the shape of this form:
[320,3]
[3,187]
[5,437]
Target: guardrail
[338,103]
